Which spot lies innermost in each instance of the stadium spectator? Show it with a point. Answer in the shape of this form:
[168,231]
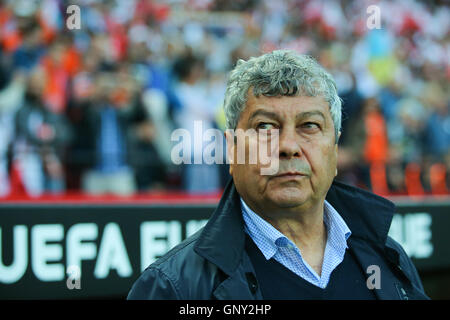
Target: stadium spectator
[196,111]
[114,123]
[11,98]
[40,140]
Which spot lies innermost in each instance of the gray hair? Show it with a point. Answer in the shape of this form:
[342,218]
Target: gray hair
[280,73]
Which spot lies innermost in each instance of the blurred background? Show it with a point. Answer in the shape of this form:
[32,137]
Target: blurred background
[90,111]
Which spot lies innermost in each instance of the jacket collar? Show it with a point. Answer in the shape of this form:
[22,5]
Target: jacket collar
[367,215]
[222,240]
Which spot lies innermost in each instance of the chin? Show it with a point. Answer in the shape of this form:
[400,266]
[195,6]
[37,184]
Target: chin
[288,198]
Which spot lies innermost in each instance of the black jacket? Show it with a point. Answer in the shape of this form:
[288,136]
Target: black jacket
[212,263]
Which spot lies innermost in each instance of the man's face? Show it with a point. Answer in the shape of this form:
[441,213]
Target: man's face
[307,153]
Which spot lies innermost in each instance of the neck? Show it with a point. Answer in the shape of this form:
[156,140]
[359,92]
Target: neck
[306,229]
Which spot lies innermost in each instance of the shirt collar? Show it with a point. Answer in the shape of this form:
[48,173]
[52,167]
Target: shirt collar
[263,233]
[338,231]
[268,238]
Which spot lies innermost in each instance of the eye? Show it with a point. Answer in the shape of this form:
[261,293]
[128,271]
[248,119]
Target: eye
[265,126]
[311,126]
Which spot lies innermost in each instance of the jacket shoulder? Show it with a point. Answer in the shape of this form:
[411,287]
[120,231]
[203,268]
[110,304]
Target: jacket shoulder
[179,274]
[153,284]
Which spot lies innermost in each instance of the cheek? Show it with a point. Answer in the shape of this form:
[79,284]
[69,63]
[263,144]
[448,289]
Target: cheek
[331,162]
[333,155]
[322,159]
[248,181]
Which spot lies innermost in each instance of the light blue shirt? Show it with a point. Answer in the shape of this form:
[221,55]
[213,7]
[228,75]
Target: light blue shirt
[274,244]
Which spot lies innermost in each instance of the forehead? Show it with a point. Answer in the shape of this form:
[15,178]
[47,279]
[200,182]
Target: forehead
[285,106]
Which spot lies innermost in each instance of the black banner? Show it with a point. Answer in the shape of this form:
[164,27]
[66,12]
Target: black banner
[98,251]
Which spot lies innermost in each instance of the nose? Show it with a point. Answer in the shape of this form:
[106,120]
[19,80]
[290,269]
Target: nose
[289,144]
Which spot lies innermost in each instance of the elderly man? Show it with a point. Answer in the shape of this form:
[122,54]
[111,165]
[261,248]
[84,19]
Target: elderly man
[294,233]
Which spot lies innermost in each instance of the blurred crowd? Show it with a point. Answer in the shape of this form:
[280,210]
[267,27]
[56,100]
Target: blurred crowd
[93,109]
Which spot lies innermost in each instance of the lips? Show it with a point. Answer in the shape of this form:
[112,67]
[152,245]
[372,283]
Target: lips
[291,174]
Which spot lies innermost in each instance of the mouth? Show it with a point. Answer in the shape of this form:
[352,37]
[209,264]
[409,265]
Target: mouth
[290,175]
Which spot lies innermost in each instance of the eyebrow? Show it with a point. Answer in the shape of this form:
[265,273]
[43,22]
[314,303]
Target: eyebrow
[275,116]
[308,114]
[264,113]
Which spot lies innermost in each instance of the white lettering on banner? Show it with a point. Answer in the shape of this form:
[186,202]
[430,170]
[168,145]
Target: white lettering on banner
[413,232]
[78,250]
[43,252]
[80,244]
[158,237]
[15,271]
[112,254]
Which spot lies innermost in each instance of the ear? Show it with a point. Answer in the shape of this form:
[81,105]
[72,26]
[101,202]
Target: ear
[229,137]
[336,149]
[337,142]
